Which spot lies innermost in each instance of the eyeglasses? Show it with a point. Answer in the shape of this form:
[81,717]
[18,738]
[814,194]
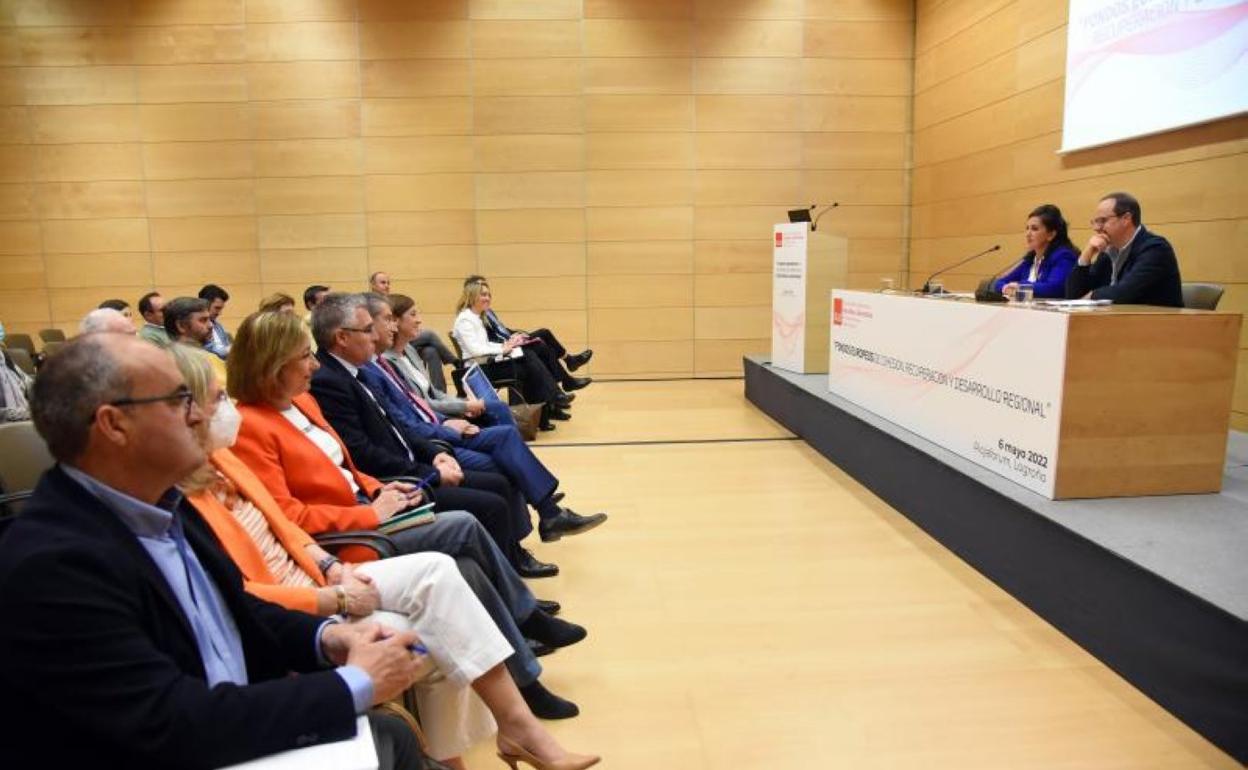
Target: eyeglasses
[182,393]
[364,330]
[1100,221]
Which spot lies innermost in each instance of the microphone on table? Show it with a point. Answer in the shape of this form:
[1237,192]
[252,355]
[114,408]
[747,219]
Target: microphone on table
[985,293]
[927,285]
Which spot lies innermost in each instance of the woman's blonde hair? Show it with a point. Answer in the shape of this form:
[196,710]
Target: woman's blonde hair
[193,364]
[472,292]
[275,302]
[265,342]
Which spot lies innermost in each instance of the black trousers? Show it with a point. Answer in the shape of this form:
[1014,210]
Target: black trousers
[548,337]
[491,500]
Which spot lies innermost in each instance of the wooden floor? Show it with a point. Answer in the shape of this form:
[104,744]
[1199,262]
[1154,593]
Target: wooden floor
[751,606]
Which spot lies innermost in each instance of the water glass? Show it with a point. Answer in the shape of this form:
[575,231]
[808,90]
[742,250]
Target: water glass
[1024,294]
[886,285]
[935,287]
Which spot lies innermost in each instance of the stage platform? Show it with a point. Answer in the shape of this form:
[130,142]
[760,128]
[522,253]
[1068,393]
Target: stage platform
[1154,587]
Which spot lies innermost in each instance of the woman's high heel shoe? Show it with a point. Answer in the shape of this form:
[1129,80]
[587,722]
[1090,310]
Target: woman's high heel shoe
[513,754]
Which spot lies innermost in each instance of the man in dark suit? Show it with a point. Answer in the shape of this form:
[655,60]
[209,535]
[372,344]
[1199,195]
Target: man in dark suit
[344,333]
[493,448]
[128,640]
[1124,262]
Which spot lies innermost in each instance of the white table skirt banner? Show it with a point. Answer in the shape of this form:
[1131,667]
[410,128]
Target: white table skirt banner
[983,381]
[788,296]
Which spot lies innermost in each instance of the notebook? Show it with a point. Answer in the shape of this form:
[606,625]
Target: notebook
[415,517]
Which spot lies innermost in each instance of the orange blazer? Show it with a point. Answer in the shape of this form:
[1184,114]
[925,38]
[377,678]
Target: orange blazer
[257,579]
[302,479]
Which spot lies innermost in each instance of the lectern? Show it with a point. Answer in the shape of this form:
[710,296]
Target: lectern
[806,266]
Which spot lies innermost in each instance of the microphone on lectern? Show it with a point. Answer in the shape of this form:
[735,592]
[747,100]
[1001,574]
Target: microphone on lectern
[815,225]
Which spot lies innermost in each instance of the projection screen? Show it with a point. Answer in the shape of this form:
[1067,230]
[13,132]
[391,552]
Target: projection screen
[1137,67]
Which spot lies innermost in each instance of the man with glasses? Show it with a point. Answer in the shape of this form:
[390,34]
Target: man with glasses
[128,639]
[1123,262]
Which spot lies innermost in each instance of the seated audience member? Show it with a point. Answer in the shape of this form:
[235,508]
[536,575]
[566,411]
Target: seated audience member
[287,443]
[403,357]
[487,496]
[14,390]
[121,306]
[186,320]
[277,302]
[152,308]
[312,297]
[1049,258]
[429,346]
[216,297]
[492,448]
[1123,262]
[534,379]
[129,641]
[422,593]
[105,319]
[541,341]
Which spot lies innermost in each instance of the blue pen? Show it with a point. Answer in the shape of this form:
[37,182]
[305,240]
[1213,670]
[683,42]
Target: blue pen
[418,648]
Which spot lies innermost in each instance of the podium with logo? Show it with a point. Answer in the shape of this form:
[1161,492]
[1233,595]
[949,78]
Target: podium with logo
[806,265]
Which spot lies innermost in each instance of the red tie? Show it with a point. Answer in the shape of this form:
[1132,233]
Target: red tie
[421,405]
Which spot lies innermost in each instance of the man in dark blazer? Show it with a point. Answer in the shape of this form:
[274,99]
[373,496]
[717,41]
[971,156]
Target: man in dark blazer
[128,640]
[381,448]
[344,333]
[1123,262]
[493,448]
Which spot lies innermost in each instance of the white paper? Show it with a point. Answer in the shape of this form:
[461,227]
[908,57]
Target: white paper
[356,753]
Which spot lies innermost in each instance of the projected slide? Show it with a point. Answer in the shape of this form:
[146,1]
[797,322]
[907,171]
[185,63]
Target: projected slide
[1136,67]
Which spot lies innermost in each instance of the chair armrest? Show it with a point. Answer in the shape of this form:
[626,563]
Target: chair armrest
[7,500]
[380,543]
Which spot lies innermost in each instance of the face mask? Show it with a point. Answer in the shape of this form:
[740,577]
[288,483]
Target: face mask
[223,429]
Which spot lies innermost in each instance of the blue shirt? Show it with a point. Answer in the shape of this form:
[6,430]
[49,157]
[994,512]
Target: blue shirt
[160,533]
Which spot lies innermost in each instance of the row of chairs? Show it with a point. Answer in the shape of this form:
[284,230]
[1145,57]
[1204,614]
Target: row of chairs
[21,348]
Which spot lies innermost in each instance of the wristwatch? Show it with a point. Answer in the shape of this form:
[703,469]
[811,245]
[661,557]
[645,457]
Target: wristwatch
[324,565]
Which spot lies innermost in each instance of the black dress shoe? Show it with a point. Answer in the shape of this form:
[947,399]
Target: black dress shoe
[557,413]
[557,633]
[545,424]
[529,567]
[576,383]
[561,401]
[549,607]
[580,359]
[557,498]
[568,522]
[545,704]
[538,649]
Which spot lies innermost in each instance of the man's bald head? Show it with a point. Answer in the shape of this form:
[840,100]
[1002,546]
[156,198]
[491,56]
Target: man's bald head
[105,319]
[89,372]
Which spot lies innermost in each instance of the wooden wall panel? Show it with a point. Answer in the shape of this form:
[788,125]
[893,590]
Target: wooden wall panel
[987,116]
[614,166]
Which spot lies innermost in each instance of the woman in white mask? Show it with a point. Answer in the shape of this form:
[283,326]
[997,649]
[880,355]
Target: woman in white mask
[417,592]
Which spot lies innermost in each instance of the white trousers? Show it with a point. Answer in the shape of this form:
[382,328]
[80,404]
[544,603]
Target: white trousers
[425,593]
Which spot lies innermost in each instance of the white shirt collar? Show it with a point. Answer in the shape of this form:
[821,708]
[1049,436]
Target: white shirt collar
[351,368]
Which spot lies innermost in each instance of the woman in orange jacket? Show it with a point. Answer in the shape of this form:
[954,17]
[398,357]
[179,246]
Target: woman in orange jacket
[418,592]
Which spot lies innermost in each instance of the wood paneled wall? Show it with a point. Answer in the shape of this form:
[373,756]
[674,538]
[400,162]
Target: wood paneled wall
[987,125]
[613,165]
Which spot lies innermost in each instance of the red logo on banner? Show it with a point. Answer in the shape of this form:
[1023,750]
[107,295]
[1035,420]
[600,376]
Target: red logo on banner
[838,307]
[779,240]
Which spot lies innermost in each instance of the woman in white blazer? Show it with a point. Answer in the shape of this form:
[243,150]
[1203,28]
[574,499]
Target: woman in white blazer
[535,382]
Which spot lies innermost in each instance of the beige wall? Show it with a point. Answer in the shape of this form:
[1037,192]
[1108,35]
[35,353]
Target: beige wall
[613,165]
[987,125]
